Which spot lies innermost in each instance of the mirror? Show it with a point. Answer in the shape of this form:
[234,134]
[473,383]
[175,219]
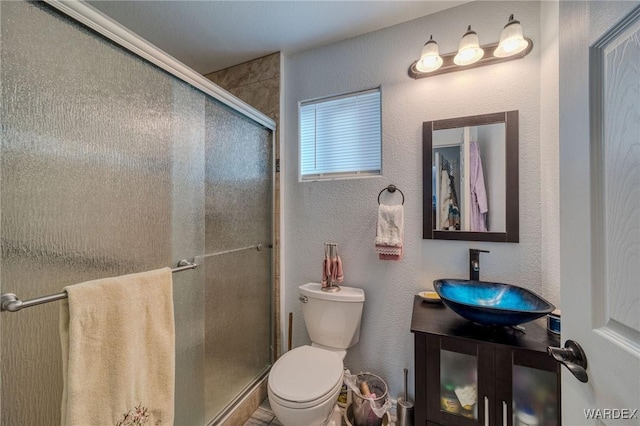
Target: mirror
[470,178]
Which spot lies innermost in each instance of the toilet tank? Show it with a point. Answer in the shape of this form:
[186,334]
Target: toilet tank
[332,318]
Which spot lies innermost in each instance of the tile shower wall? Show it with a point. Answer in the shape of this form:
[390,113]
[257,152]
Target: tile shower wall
[256,82]
[103,172]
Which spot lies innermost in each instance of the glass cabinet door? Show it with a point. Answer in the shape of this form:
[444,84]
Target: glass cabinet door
[459,384]
[534,397]
[461,391]
[527,391]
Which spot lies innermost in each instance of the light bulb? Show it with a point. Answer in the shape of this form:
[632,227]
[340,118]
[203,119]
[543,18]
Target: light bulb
[469,50]
[430,59]
[512,41]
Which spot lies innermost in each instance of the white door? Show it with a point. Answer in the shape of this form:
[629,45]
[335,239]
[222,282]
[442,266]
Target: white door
[600,208]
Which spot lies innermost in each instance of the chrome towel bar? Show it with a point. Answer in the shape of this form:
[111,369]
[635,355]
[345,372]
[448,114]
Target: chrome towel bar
[9,302]
[257,247]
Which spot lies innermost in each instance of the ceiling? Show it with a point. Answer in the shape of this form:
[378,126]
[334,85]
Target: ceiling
[210,35]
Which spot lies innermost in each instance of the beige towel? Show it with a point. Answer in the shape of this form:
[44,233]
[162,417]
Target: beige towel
[118,351]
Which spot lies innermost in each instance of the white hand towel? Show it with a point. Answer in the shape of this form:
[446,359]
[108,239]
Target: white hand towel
[390,230]
[118,349]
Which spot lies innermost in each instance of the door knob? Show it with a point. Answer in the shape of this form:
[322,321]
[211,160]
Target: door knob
[573,357]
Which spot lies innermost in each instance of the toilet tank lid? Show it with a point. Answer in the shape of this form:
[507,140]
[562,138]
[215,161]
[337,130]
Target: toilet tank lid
[346,294]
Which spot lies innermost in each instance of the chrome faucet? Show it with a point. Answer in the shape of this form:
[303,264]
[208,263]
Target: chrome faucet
[474,263]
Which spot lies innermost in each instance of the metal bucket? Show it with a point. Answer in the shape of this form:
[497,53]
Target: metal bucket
[363,414]
[349,421]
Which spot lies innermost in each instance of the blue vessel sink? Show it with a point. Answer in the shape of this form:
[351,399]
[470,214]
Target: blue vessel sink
[489,303]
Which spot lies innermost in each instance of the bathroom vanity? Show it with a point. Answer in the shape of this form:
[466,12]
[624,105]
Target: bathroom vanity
[467,374]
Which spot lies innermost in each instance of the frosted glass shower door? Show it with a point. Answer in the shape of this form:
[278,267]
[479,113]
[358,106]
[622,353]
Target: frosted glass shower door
[102,174]
[238,284]
[110,165]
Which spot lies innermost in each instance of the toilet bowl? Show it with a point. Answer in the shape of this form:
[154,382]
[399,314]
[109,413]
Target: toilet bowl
[304,385]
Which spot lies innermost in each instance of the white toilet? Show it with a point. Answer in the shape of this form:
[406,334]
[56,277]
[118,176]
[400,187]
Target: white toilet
[304,383]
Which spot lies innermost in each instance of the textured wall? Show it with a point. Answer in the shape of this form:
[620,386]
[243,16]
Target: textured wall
[549,150]
[345,211]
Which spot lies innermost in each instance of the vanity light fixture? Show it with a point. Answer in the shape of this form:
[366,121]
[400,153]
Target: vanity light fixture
[470,54]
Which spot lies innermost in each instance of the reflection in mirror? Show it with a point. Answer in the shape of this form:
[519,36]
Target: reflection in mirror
[471,191]
[469,178]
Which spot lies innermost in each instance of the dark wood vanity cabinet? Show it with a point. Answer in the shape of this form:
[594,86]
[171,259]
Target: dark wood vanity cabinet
[503,375]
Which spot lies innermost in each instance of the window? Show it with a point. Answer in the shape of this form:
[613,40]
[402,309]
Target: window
[340,136]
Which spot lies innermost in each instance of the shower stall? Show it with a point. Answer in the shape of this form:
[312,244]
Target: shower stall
[111,164]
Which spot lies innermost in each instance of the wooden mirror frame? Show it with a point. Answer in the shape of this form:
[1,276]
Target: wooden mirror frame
[511,234]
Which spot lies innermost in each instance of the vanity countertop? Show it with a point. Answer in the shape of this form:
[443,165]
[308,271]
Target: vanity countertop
[440,320]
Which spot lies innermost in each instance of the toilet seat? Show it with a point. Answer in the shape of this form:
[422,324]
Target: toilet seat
[305,376]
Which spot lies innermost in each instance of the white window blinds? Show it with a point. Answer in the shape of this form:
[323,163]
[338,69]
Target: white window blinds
[341,136]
